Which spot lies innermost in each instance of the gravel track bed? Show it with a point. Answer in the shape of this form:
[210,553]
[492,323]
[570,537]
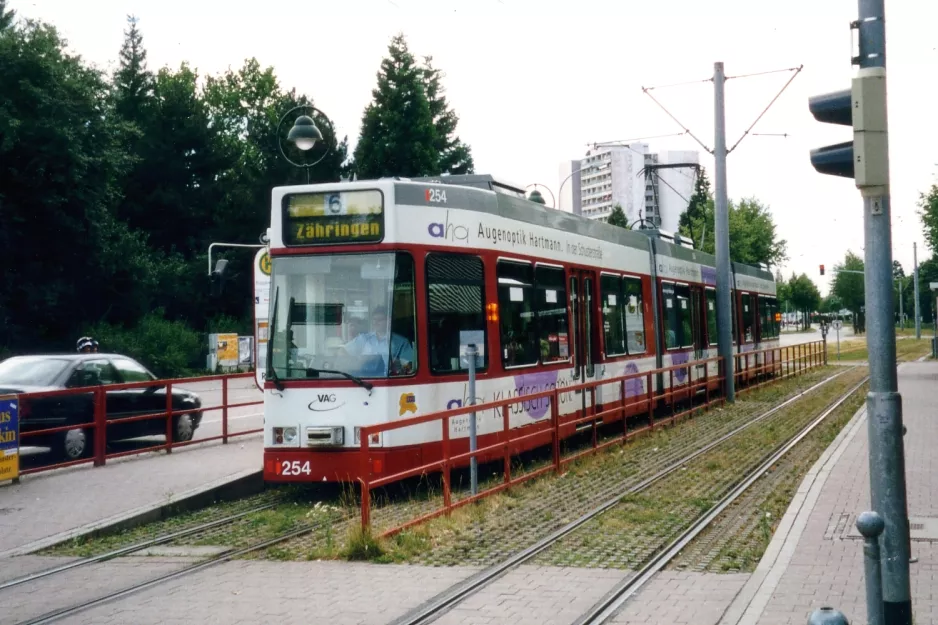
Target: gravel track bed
[628,535]
[736,540]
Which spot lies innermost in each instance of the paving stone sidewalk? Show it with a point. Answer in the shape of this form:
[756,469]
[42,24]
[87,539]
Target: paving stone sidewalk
[45,505]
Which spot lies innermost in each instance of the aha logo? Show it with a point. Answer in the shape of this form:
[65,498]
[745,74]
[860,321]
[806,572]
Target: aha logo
[449,231]
[324,398]
[408,403]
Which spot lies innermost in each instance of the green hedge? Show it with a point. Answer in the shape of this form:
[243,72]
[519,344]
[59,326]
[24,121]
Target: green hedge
[168,348]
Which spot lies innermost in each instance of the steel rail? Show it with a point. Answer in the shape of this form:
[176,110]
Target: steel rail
[116,553]
[437,606]
[198,566]
[609,605]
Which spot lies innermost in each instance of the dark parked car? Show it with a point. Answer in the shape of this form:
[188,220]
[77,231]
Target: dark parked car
[31,374]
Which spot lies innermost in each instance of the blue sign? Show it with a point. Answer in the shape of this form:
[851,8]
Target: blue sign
[9,438]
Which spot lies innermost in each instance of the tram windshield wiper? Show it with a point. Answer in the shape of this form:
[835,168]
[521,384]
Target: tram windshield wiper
[314,373]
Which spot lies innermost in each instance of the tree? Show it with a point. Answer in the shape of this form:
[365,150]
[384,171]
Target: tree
[7,16]
[398,136]
[697,208]
[67,261]
[928,213]
[752,233]
[455,156]
[617,217]
[804,296]
[132,82]
[850,287]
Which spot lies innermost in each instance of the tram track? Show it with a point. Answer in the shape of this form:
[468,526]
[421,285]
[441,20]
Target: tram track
[427,613]
[436,607]
[229,554]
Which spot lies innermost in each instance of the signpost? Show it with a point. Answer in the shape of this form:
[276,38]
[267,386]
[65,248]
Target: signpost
[838,324]
[9,439]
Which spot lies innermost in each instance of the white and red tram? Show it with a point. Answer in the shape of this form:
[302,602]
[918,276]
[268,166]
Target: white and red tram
[378,287]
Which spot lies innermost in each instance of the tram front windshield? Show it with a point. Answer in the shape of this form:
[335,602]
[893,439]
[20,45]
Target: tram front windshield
[349,313]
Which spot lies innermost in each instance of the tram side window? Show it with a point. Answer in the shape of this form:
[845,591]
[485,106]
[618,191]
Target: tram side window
[711,296]
[767,308]
[613,330]
[455,295]
[519,340]
[634,313]
[748,317]
[552,314]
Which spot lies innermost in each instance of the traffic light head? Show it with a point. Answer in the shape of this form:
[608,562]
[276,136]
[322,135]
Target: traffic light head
[218,277]
[822,270]
[833,108]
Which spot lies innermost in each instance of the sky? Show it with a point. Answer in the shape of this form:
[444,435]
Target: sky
[537,82]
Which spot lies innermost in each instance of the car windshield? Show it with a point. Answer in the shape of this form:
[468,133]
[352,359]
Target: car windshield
[352,313]
[31,371]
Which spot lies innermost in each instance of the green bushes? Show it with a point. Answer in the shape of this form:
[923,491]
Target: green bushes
[168,348]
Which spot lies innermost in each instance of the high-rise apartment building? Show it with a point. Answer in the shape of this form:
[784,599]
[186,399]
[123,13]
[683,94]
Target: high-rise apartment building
[617,175]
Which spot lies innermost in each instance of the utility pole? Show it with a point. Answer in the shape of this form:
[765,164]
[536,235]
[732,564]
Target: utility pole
[866,159]
[721,219]
[884,403]
[722,235]
[918,317]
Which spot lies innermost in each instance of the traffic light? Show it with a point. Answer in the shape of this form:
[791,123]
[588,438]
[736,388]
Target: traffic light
[218,277]
[822,270]
[837,159]
[863,106]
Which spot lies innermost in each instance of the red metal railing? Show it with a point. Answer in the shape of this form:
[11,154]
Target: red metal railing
[784,362]
[780,362]
[98,425]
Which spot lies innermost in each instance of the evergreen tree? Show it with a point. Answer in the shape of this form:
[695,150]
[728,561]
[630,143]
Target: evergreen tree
[132,82]
[398,136]
[6,16]
[617,217]
[455,156]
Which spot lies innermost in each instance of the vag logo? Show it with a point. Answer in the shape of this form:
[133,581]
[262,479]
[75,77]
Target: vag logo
[448,231]
[324,402]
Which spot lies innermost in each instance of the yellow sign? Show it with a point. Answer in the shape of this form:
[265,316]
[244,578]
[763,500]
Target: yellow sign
[264,264]
[227,349]
[9,438]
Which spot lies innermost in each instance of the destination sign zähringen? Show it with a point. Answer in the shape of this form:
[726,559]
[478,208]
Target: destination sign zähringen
[333,217]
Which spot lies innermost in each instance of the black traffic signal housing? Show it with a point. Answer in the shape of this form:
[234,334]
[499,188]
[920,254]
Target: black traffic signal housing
[837,159]
[822,270]
[218,277]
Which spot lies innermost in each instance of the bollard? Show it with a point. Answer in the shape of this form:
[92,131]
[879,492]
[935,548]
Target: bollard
[827,616]
[473,444]
[871,525]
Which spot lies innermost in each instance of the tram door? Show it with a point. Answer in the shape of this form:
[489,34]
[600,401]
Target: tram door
[582,320]
[698,323]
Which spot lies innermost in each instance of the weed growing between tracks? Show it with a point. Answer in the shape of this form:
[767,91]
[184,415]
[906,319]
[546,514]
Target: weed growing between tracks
[737,538]
[501,525]
[481,533]
[629,534]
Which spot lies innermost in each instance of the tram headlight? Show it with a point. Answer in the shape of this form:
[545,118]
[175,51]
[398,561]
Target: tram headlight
[289,435]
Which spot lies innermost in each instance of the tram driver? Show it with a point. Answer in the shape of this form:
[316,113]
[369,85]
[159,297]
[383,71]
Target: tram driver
[396,352]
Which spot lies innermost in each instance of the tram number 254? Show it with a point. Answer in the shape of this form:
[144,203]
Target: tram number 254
[294,467]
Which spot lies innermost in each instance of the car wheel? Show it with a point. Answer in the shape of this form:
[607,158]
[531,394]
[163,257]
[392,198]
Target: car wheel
[185,428]
[74,444]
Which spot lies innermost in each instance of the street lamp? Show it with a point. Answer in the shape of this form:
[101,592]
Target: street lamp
[535,195]
[304,135]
